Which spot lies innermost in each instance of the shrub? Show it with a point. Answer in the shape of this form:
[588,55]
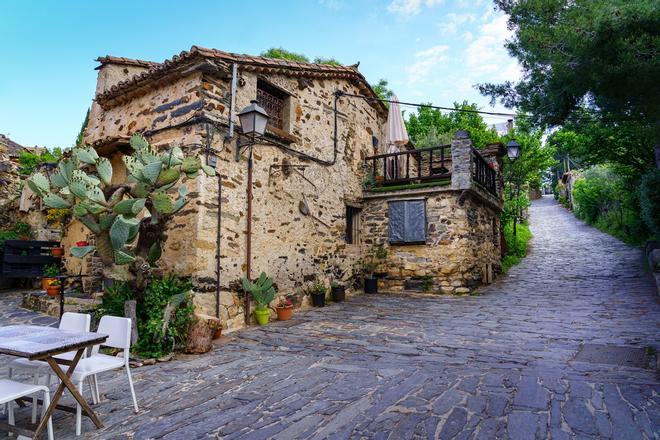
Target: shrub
[164,316]
[113,299]
[516,247]
[649,199]
[608,201]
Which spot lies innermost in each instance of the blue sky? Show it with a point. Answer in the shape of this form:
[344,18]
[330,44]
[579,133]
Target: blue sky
[429,50]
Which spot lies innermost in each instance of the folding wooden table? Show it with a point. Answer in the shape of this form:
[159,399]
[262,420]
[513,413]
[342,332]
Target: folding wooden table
[38,343]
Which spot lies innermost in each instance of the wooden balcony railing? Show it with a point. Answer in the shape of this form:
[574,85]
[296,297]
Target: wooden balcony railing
[483,174]
[423,164]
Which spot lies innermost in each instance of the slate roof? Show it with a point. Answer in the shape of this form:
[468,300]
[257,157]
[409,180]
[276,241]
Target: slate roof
[223,59]
[13,148]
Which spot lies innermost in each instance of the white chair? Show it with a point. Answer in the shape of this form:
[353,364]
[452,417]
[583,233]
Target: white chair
[77,322]
[11,390]
[119,336]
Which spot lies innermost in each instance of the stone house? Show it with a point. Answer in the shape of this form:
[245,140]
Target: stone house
[312,217]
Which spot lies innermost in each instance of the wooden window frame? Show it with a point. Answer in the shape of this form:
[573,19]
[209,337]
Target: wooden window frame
[353,219]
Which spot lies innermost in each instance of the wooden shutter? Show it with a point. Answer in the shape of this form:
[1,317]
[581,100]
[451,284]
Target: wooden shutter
[407,221]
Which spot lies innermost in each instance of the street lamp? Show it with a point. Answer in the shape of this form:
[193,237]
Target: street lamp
[253,120]
[513,150]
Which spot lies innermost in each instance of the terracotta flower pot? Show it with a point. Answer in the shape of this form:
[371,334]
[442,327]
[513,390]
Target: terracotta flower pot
[217,333]
[45,282]
[379,181]
[82,243]
[53,290]
[284,313]
[57,251]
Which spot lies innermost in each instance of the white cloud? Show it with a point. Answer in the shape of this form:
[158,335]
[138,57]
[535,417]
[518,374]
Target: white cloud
[454,21]
[408,8]
[488,47]
[426,60]
[467,36]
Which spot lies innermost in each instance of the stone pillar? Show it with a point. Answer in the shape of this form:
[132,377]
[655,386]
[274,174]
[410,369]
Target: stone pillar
[461,160]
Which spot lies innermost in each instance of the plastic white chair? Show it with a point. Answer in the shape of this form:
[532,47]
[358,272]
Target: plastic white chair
[11,390]
[119,336]
[77,322]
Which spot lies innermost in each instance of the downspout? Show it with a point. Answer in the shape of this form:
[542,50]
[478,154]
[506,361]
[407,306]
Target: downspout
[248,245]
[217,247]
[218,239]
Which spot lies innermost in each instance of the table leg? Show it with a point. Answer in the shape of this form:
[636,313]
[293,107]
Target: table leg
[66,383]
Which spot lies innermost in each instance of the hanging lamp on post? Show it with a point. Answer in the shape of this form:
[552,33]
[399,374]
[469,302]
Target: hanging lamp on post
[253,120]
[513,150]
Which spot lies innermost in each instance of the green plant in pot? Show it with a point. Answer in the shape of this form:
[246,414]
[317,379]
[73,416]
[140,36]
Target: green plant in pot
[50,274]
[370,281]
[380,256]
[338,292]
[263,292]
[317,292]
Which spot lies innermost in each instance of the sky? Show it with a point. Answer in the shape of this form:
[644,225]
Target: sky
[429,50]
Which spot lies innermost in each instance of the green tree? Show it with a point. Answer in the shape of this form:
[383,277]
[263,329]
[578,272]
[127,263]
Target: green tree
[80,139]
[331,61]
[383,90]
[602,54]
[283,54]
[421,125]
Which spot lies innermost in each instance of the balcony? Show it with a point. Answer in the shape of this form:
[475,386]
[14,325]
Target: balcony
[411,166]
[426,167]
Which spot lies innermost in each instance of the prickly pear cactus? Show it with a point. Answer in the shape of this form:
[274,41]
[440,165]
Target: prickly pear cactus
[127,218]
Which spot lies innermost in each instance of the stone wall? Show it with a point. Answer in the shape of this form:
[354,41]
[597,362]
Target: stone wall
[462,249]
[287,245]
[462,246]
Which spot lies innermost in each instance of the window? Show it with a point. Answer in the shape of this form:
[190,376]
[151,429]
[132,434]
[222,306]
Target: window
[353,225]
[272,100]
[407,222]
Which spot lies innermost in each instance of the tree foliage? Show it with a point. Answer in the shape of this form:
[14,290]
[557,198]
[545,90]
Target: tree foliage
[330,60]
[602,54]
[80,139]
[283,54]
[428,121]
[382,89]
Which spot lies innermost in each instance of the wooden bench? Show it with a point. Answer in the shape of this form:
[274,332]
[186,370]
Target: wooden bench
[27,258]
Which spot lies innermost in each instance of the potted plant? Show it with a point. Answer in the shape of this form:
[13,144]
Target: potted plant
[263,292]
[284,309]
[370,281]
[53,288]
[50,272]
[317,292]
[380,254]
[338,292]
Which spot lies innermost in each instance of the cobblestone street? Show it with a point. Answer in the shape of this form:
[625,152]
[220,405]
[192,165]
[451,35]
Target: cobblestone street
[497,365]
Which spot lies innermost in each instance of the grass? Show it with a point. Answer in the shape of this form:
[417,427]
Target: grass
[516,249]
[410,186]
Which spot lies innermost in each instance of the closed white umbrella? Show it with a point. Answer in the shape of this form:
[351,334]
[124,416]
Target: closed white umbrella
[396,137]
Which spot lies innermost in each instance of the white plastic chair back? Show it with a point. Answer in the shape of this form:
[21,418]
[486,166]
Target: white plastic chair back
[118,331]
[77,322]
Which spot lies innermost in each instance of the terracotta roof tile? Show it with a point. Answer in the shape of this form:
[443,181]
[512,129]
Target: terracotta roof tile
[109,59]
[248,62]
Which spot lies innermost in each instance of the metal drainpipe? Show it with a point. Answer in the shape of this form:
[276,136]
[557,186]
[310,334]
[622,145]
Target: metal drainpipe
[217,247]
[229,135]
[248,244]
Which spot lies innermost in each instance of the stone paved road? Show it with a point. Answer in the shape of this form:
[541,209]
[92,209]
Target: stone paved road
[499,365]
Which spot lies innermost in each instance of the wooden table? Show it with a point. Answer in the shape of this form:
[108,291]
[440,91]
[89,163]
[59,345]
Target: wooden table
[44,344]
